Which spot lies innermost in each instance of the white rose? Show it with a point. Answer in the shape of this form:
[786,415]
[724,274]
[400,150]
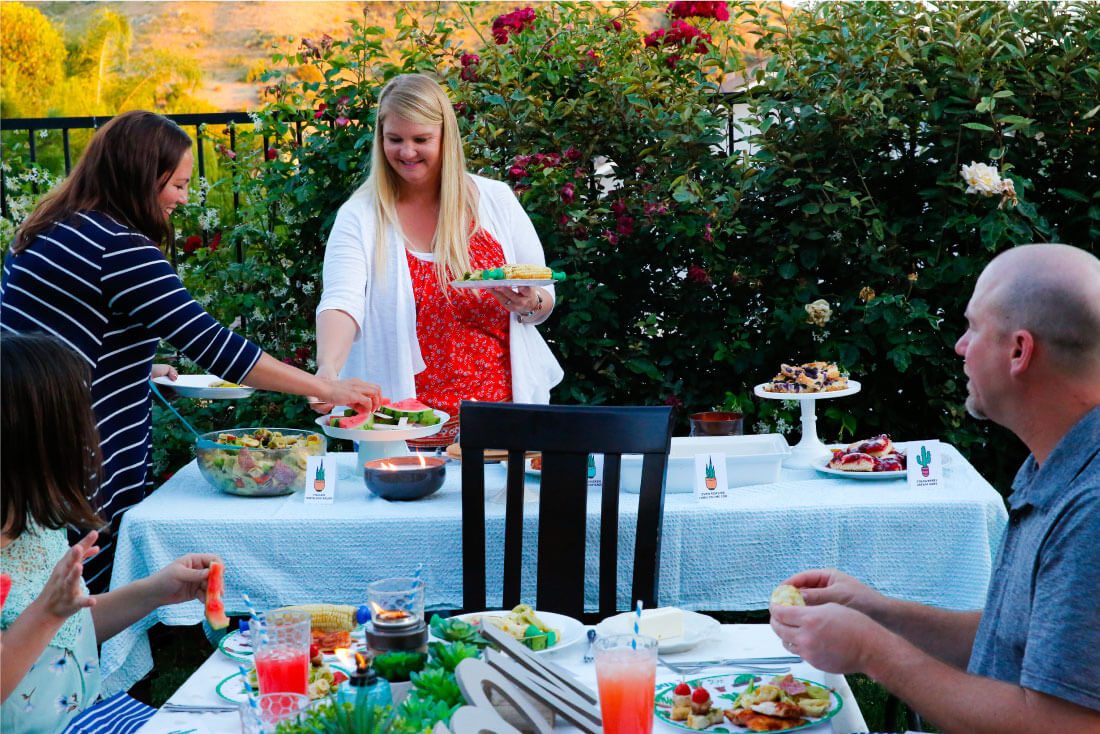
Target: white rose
[981,179]
[818,312]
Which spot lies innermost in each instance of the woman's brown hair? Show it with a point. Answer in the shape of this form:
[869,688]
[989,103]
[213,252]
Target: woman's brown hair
[121,174]
[50,462]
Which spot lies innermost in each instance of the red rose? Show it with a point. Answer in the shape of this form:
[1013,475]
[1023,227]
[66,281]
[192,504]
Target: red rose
[567,193]
[192,243]
[320,111]
[216,242]
[697,275]
[302,354]
[615,26]
[513,22]
[271,154]
[572,154]
[521,160]
[610,237]
[580,173]
[674,401]
[618,208]
[716,10]
[342,121]
[469,59]
[517,172]
[626,225]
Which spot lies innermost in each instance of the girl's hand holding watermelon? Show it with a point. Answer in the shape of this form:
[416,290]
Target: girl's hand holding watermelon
[181,580]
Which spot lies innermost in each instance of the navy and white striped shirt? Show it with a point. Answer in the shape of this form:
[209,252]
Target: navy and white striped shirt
[109,293]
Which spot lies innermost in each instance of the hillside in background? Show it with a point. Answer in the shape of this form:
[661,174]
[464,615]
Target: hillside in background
[230,43]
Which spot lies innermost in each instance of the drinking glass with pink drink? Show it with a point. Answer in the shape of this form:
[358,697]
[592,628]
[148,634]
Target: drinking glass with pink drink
[281,644]
[626,673]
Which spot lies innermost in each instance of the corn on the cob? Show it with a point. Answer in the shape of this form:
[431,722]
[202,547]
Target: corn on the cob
[326,617]
[526,272]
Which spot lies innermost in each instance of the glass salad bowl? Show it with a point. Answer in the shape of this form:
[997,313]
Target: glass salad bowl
[258,462]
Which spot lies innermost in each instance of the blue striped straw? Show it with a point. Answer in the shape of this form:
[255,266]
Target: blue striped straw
[251,699]
[637,618]
[261,623]
[417,572]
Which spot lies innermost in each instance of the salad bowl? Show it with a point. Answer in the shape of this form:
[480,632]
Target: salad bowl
[258,462]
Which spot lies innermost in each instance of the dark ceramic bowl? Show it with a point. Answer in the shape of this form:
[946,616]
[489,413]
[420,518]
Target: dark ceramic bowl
[409,481]
[716,423]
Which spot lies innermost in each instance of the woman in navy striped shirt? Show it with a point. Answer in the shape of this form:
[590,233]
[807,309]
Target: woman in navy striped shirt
[86,267]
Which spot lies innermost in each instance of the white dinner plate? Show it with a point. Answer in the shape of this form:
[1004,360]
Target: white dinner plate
[232,688]
[239,647]
[514,283]
[572,630]
[381,433]
[697,628]
[760,392]
[865,475]
[199,386]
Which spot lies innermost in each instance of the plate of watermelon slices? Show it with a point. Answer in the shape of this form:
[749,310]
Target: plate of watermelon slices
[400,421]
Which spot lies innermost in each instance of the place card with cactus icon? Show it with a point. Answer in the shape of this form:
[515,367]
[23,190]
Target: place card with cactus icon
[925,465]
[320,480]
[710,477]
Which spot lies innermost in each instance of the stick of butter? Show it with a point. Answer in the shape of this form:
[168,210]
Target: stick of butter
[663,623]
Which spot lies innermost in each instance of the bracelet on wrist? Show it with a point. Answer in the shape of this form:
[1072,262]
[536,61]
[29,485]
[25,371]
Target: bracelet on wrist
[535,310]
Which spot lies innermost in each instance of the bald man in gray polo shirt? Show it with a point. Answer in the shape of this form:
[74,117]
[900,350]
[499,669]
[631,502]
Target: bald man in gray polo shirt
[1030,661]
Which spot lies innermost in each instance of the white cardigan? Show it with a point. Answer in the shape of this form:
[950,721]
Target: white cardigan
[385,350]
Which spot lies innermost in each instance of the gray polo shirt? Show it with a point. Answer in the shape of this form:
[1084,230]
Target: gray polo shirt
[1041,625]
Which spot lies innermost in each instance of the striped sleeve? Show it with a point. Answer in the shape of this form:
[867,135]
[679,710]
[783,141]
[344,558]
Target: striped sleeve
[140,283]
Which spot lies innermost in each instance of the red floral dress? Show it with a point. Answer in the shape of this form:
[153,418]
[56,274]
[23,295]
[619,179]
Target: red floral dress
[464,340]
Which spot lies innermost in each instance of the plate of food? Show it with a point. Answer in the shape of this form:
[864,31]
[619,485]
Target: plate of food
[676,629]
[509,276]
[323,680]
[740,702]
[401,421]
[542,632]
[875,458]
[205,387]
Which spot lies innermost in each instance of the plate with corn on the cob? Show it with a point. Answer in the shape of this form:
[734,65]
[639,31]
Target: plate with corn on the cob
[331,626]
[509,276]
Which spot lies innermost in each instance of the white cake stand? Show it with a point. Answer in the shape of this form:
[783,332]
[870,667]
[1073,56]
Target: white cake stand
[382,442]
[810,451]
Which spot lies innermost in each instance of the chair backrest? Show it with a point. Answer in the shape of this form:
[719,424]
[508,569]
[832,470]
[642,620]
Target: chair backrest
[565,435]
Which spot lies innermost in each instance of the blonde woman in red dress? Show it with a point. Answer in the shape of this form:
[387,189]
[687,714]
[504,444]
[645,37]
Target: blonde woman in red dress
[388,313]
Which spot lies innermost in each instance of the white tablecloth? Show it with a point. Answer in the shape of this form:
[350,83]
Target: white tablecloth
[734,640]
[930,546]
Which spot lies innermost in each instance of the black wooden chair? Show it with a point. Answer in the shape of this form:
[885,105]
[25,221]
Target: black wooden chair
[565,435]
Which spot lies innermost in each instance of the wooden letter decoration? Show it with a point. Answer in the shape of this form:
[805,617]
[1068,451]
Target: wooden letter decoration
[516,674]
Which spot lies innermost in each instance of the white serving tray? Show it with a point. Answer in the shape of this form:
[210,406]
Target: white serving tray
[753,459]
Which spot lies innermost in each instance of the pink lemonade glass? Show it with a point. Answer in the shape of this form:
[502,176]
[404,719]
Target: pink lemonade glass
[281,644]
[626,673]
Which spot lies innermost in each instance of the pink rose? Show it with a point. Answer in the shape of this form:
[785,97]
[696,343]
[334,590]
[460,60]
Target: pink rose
[567,193]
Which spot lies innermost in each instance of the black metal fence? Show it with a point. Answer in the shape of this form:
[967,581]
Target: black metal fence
[34,125]
[199,121]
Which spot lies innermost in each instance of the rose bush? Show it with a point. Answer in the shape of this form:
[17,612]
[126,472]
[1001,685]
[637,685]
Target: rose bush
[839,227]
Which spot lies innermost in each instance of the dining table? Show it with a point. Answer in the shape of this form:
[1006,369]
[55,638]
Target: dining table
[742,641]
[930,545]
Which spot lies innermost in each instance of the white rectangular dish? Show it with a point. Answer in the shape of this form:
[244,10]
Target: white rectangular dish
[755,459]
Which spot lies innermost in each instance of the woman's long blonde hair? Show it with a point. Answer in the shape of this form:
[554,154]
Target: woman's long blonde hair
[420,99]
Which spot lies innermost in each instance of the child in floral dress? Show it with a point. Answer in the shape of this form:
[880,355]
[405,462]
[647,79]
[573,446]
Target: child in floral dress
[49,664]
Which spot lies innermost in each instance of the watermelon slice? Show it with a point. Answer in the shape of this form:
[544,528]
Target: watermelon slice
[412,409]
[215,588]
[5,587]
[357,420]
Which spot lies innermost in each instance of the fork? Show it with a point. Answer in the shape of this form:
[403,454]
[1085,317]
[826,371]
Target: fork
[588,650]
[688,668]
[182,708]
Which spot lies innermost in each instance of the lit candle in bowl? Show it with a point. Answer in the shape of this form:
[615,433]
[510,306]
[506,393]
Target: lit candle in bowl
[405,477]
